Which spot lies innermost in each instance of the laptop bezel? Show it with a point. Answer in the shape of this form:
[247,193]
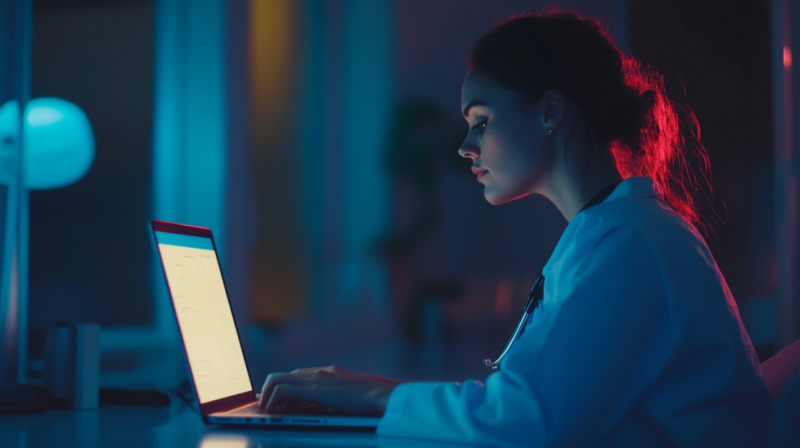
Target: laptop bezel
[231,401]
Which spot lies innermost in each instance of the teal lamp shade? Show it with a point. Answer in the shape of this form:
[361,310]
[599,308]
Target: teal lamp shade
[59,144]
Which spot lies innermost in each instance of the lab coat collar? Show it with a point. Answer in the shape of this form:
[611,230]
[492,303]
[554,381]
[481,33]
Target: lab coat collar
[630,188]
[633,187]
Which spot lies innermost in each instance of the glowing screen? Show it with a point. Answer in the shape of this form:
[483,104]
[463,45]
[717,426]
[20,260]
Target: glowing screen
[204,316]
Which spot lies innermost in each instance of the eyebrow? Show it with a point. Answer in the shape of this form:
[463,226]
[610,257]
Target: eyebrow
[471,104]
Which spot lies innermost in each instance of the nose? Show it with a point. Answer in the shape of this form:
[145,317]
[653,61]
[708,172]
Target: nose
[469,150]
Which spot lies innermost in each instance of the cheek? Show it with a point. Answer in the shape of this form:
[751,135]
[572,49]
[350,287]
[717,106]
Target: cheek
[519,161]
[521,154]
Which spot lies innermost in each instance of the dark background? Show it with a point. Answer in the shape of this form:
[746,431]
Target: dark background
[90,250]
[91,254]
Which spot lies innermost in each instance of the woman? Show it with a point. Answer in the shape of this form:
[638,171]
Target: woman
[637,340]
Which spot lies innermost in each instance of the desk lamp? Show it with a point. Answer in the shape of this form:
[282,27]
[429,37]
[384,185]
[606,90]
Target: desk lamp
[58,151]
[59,144]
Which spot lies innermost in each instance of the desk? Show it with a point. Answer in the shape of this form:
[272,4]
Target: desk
[175,426]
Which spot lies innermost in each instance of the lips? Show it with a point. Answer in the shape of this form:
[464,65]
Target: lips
[480,172]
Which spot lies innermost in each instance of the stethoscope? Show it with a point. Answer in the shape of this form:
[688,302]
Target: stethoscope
[534,298]
[537,289]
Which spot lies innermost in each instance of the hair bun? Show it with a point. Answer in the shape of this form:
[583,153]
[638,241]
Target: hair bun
[628,115]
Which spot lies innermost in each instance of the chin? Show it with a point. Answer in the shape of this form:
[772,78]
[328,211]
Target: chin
[496,198]
[492,200]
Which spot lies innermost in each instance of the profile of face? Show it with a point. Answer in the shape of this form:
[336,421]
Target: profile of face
[507,140]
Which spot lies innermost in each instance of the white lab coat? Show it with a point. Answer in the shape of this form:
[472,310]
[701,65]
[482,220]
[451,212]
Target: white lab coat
[637,343]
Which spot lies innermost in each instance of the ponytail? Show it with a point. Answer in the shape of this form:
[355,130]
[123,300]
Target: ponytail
[632,120]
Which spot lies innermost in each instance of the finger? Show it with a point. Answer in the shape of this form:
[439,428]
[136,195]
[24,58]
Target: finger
[335,369]
[273,379]
[280,393]
[276,379]
[264,391]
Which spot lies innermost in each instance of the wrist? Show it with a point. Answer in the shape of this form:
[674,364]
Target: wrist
[381,394]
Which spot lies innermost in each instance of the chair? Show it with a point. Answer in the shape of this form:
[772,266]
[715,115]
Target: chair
[786,421]
[782,376]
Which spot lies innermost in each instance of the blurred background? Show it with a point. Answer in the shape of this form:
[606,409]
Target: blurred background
[317,139]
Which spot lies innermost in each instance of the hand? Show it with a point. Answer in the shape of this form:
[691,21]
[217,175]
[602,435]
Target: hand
[329,387]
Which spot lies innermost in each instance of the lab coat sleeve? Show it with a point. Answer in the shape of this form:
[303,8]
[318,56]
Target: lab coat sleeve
[573,374]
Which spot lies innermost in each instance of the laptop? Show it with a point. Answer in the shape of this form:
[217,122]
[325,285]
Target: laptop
[211,340]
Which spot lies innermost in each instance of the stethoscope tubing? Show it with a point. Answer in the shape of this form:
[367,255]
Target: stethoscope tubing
[537,289]
[534,298]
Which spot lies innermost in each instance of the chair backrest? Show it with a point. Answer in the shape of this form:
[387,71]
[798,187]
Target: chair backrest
[786,420]
[780,369]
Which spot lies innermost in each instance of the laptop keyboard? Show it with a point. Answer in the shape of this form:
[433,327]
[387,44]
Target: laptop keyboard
[252,409]
[301,408]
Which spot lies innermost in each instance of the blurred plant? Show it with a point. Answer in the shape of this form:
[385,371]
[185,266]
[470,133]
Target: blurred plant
[422,144]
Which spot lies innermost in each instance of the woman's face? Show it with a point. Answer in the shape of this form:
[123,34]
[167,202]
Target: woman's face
[507,140]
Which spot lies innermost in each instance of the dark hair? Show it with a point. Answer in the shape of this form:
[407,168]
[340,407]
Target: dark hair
[632,121]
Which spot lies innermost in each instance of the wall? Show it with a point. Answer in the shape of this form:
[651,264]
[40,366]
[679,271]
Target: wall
[90,250]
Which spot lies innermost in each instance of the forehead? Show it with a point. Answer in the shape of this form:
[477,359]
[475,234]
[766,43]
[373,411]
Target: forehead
[479,88]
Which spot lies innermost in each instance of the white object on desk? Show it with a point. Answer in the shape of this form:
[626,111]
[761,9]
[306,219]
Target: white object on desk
[85,371]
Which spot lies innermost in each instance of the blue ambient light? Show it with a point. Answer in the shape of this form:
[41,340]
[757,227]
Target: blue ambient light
[59,143]
[9,135]
[175,239]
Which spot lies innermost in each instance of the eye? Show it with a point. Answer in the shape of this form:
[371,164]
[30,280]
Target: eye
[479,125]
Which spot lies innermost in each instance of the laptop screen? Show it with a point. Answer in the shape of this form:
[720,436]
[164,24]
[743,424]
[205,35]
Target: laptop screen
[204,316]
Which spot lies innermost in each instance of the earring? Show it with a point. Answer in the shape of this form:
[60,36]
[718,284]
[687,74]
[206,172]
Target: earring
[549,132]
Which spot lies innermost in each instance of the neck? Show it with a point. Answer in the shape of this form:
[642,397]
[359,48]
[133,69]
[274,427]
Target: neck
[570,191]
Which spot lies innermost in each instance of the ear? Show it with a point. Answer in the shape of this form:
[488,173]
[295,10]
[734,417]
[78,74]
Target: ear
[555,107]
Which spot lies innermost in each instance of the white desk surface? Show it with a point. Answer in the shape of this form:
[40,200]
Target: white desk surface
[179,425]
[174,426]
